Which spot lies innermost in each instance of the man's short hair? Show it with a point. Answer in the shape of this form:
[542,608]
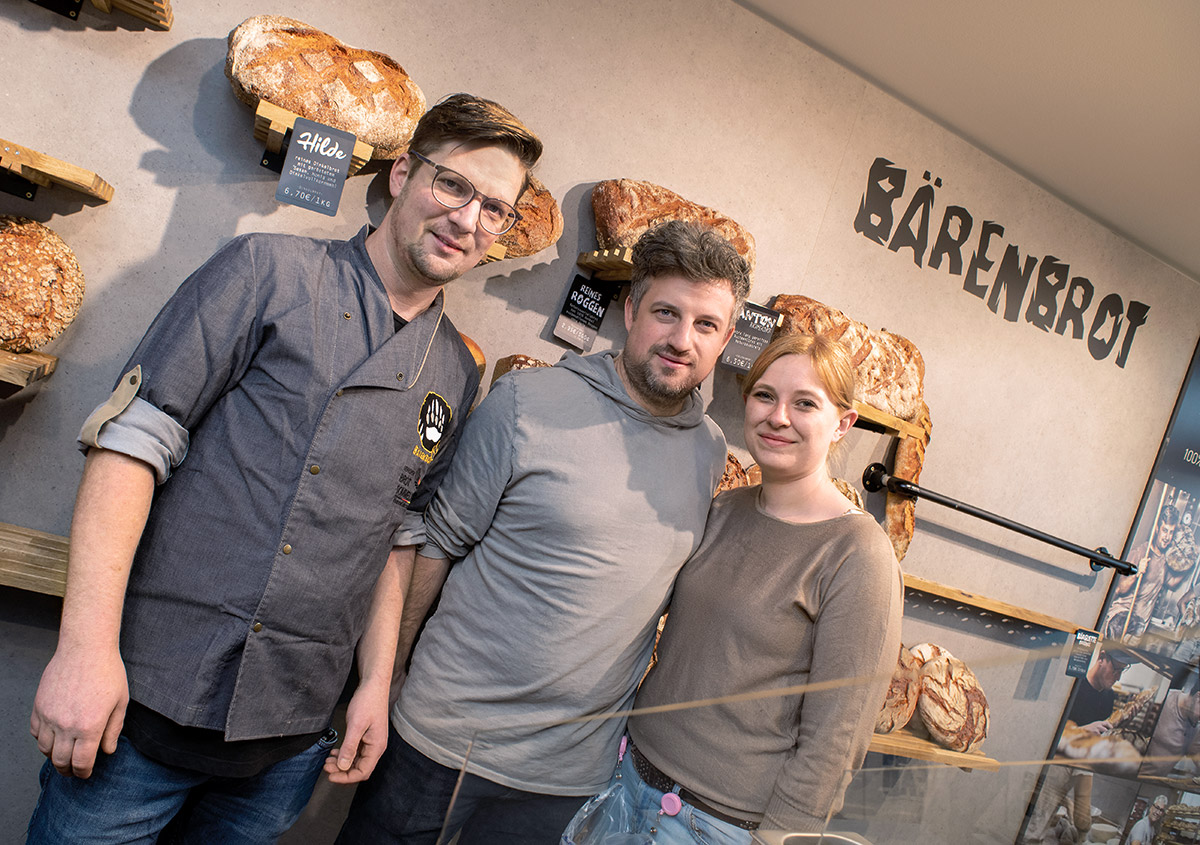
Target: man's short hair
[467,119]
[1170,515]
[1117,656]
[1160,801]
[690,250]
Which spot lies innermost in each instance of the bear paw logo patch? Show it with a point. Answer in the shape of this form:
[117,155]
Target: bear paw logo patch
[432,425]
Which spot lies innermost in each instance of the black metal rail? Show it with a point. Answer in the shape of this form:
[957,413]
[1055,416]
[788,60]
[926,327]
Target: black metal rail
[876,477]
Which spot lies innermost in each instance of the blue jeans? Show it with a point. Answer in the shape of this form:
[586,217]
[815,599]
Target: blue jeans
[408,797]
[689,827]
[130,798]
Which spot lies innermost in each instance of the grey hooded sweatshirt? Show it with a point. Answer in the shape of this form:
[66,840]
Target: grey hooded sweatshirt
[568,510]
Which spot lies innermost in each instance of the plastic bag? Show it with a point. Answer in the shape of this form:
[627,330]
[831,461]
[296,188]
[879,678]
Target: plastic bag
[605,819]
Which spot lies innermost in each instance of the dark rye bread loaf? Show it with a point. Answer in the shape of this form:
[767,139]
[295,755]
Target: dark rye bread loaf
[41,285]
[304,70]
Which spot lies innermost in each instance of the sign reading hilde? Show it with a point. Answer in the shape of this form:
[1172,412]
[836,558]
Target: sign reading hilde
[582,312]
[755,327]
[315,170]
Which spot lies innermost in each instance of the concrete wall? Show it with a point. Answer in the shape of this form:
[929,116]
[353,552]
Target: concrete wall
[704,98]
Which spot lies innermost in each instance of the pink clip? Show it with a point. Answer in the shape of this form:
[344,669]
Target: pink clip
[624,745]
[671,805]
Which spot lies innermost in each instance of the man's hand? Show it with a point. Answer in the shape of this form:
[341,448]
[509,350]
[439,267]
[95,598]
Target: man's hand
[1098,728]
[366,736]
[79,708]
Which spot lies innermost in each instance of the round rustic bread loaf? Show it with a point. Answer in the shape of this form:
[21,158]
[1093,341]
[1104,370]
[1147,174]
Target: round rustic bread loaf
[924,652]
[540,226]
[41,285]
[952,704]
[902,695]
[304,70]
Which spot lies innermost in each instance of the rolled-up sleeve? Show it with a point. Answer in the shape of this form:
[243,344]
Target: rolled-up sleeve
[141,431]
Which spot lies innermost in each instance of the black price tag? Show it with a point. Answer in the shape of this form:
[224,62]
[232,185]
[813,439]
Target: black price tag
[315,170]
[1081,652]
[755,327]
[66,8]
[583,311]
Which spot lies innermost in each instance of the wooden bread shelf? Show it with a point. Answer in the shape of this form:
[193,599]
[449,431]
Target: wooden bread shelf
[24,368]
[45,170]
[905,743]
[154,12]
[496,252]
[611,265]
[271,123]
[33,560]
[871,417]
[1011,611]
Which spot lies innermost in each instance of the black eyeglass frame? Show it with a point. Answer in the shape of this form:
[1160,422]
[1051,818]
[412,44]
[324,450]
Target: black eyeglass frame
[439,169]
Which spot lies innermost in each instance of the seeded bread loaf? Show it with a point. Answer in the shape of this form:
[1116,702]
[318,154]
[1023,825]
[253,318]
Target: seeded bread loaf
[626,208]
[41,285]
[304,70]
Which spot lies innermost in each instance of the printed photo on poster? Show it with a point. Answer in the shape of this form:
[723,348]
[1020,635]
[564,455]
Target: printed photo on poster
[1158,609]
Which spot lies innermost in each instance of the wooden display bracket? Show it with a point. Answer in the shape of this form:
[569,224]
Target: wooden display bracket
[41,169]
[33,560]
[905,743]
[157,13]
[608,265]
[272,125]
[24,368]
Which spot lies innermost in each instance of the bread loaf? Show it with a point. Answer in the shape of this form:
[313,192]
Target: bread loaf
[304,70]
[902,695]
[476,353]
[900,512]
[888,369]
[924,652]
[515,362]
[952,704]
[626,208]
[540,226]
[41,285]
[734,475]
[849,491]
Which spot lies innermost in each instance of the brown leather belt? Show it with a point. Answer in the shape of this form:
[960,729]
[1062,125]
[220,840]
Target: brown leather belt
[655,779]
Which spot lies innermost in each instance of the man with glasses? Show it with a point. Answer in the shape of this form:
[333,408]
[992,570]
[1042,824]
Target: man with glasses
[251,504]
[576,494]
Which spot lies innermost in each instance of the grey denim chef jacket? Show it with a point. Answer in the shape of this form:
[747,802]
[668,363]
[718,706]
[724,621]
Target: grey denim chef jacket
[308,425]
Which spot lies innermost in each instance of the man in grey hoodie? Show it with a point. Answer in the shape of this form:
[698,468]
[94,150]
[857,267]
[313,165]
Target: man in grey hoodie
[576,494]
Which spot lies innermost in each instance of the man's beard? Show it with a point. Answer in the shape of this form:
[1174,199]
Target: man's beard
[645,380]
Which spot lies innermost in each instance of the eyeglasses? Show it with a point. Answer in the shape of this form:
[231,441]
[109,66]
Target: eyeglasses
[454,190]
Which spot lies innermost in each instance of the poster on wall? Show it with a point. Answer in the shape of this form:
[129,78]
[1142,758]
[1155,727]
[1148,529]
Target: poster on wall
[1134,715]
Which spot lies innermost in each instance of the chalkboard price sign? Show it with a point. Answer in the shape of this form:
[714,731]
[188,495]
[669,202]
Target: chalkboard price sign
[755,326]
[317,163]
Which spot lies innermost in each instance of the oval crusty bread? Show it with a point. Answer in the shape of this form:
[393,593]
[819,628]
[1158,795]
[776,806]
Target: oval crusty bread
[540,226]
[889,371]
[952,704]
[41,285]
[626,208]
[902,695]
[304,70]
